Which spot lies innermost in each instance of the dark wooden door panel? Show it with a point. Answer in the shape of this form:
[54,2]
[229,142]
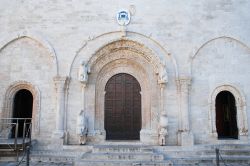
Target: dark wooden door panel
[226,114]
[122,108]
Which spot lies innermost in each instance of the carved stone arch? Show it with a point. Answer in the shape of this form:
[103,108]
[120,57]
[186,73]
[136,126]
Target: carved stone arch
[240,105]
[9,100]
[94,44]
[113,59]
[110,54]
[7,39]
[129,45]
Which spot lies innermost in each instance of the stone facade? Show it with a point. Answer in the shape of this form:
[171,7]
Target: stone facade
[203,47]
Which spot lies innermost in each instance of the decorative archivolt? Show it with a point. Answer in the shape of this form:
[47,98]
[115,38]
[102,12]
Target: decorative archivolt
[240,105]
[9,99]
[145,46]
[129,46]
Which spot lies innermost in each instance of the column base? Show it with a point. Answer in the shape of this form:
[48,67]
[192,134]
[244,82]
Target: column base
[149,137]
[58,134]
[96,136]
[186,138]
[57,140]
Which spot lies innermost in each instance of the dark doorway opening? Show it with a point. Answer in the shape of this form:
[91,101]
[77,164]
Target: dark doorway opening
[226,116]
[122,108]
[23,103]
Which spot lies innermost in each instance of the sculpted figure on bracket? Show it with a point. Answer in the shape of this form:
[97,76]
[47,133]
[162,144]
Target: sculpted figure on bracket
[163,75]
[83,72]
[82,127]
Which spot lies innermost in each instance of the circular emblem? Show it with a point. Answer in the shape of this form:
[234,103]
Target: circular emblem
[123,17]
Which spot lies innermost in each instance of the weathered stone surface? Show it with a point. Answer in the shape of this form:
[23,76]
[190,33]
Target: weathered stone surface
[200,48]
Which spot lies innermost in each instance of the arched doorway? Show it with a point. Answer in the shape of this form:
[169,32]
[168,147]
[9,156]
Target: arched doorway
[122,108]
[226,116]
[23,103]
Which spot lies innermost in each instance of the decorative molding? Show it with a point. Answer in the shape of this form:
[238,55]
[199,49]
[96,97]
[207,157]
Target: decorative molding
[9,100]
[240,105]
[126,45]
[91,47]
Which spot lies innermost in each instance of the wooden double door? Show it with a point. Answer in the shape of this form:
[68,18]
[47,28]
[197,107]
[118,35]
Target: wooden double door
[122,108]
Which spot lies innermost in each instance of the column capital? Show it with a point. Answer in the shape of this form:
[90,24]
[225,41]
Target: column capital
[58,79]
[185,80]
[163,85]
[61,82]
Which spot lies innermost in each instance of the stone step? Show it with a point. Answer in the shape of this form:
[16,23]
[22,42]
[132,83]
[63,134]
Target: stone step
[78,148]
[55,153]
[203,147]
[121,163]
[225,147]
[236,152]
[54,156]
[121,149]
[48,158]
[239,160]
[207,153]
[123,157]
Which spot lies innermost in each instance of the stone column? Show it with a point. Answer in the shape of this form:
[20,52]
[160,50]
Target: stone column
[186,134]
[83,95]
[60,85]
[163,132]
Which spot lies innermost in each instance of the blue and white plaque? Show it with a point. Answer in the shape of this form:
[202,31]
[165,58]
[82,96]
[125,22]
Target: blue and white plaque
[123,17]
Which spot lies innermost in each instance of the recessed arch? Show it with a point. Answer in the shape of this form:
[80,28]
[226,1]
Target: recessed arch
[113,55]
[9,102]
[218,38]
[105,75]
[149,115]
[205,45]
[240,107]
[7,39]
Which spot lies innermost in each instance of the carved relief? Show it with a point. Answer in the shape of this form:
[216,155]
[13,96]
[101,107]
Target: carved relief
[131,46]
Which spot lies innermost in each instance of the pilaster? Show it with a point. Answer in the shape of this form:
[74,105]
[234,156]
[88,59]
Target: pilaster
[186,136]
[60,87]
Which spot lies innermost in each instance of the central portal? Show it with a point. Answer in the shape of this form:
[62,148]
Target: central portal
[122,108]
